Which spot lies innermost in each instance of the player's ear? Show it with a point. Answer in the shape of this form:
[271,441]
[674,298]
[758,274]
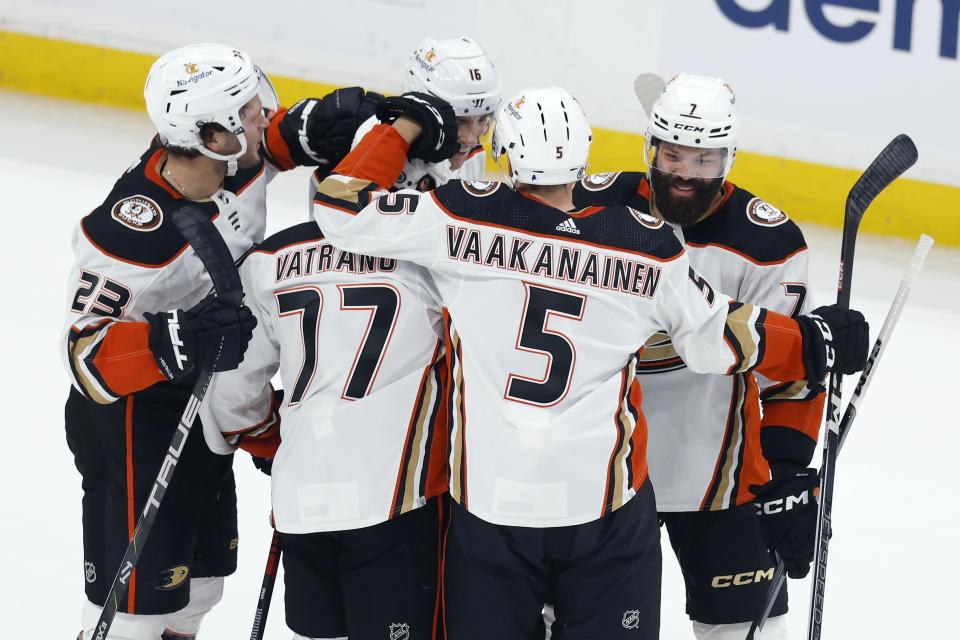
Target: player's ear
[222,142]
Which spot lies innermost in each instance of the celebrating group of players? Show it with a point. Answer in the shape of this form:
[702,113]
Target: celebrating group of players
[493,394]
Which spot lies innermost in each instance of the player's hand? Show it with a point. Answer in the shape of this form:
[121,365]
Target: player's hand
[265,465]
[438,140]
[834,339]
[184,340]
[787,508]
[319,131]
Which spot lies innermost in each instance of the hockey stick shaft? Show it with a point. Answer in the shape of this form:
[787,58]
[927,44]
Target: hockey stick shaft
[206,241]
[898,156]
[266,588]
[850,413]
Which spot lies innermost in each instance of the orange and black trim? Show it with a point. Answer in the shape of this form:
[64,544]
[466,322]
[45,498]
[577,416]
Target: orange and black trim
[112,359]
[131,497]
[414,469]
[745,334]
[457,412]
[729,458]
[627,467]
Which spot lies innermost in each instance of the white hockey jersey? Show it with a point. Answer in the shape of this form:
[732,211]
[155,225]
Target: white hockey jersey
[704,455]
[544,313]
[357,341]
[131,259]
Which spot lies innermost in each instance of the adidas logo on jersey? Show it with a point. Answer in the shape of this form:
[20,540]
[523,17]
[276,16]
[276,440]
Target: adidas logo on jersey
[568,226]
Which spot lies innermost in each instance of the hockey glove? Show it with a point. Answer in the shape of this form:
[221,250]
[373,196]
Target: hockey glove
[438,140]
[787,508]
[834,339]
[183,340]
[319,131]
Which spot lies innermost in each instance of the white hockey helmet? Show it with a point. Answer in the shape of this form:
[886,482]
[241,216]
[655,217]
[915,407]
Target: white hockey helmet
[695,111]
[199,84]
[545,136]
[457,70]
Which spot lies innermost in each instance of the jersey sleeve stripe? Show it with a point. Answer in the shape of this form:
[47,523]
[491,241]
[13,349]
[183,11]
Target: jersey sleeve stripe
[123,360]
[82,345]
[718,492]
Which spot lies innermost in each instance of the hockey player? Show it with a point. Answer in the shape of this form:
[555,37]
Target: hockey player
[545,308]
[711,459]
[133,352]
[358,344]
[460,72]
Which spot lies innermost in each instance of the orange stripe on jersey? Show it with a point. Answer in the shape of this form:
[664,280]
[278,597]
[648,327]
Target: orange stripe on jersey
[249,182]
[152,173]
[585,212]
[753,468]
[782,358]
[124,361]
[131,506]
[551,237]
[438,475]
[638,457]
[276,145]
[761,263]
[378,157]
[477,149]
[802,415]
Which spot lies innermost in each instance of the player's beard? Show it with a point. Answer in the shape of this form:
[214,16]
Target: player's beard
[683,210]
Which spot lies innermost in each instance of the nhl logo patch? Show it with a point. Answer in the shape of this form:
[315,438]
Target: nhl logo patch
[89,572]
[599,181]
[765,214]
[631,619]
[479,188]
[140,213]
[647,220]
[400,631]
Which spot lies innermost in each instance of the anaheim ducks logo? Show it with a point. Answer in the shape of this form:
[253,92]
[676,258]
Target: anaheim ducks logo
[140,213]
[646,219]
[480,188]
[175,577]
[765,214]
[599,181]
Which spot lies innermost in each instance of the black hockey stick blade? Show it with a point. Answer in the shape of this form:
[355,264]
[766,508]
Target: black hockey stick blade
[198,229]
[779,577]
[898,156]
[266,588]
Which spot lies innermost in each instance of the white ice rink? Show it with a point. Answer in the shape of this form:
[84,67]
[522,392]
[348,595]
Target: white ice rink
[894,567]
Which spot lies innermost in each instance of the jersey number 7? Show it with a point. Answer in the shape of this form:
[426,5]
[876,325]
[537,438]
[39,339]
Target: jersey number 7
[381,300]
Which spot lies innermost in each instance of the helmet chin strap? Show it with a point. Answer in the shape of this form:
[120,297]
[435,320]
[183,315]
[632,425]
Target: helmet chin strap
[231,159]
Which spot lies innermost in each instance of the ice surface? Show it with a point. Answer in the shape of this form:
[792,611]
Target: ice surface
[893,558]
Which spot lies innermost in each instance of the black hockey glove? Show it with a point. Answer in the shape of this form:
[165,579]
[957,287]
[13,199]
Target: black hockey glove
[834,339]
[438,141]
[183,340]
[319,131]
[787,508]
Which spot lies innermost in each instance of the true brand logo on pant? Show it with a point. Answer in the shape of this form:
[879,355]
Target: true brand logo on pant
[400,631]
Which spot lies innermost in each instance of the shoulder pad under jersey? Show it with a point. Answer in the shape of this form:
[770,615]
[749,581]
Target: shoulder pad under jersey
[616,228]
[750,226]
[133,223]
[297,234]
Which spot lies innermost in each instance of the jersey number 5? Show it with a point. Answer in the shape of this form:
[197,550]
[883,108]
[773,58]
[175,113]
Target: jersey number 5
[383,303]
[534,337]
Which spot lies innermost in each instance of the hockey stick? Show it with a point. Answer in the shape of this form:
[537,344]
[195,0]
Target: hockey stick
[898,156]
[648,87]
[850,414]
[266,588]
[208,244]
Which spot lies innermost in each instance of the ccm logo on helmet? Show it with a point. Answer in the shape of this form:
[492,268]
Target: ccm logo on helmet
[741,579]
[687,127]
